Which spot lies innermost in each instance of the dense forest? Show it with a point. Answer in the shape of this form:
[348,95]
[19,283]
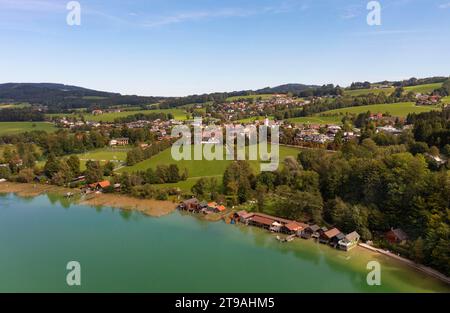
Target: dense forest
[363,187]
[21,115]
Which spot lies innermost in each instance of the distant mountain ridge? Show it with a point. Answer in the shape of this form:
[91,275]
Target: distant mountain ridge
[27,91]
[59,97]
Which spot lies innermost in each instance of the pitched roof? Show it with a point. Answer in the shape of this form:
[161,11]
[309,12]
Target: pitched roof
[191,201]
[102,184]
[314,227]
[352,236]
[293,226]
[400,234]
[275,218]
[332,232]
[212,204]
[221,208]
[262,220]
[242,213]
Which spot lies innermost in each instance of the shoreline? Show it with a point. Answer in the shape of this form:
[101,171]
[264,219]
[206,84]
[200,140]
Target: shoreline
[422,268]
[157,208]
[150,207]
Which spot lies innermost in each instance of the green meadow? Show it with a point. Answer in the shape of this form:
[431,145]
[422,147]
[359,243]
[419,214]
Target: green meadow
[335,119]
[401,109]
[178,114]
[116,155]
[446,100]
[360,92]
[12,128]
[199,168]
[426,88]
[253,119]
[14,105]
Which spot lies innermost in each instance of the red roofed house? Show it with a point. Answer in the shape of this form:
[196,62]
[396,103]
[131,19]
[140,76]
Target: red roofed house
[293,228]
[220,209]
[327,236]
[261,221]
[396,236]
[100,185]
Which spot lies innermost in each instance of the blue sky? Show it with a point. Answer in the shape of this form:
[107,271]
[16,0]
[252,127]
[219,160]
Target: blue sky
[181,47]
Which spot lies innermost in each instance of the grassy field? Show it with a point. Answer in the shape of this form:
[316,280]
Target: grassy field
[11,128]
[401,109]
[179,114]
[14,105]
[198,169]
[335,119]
[254,119]
[115,155]
[426,88]
[360,92]
[262,96]
[446,100]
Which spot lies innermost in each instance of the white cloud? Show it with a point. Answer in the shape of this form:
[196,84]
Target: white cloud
[181,17]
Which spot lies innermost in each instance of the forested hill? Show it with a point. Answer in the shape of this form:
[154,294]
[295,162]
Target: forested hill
[293,88]
[59,97]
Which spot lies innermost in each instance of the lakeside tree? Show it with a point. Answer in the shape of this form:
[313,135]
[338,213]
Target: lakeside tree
[94,172]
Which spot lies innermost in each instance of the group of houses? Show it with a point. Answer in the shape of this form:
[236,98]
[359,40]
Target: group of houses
[427,99]
[320,134]
[257,106]
[334,237]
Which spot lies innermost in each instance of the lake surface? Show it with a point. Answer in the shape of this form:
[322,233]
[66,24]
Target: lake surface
[127,251]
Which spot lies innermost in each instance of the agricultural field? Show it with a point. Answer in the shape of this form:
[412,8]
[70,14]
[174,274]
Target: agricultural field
[14,105]
[254,119]
[116,155]
[12,128]
[427,88]
[401,109]
[360,92]
[335,119]
[262,96]
[200,168]
[178,114]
